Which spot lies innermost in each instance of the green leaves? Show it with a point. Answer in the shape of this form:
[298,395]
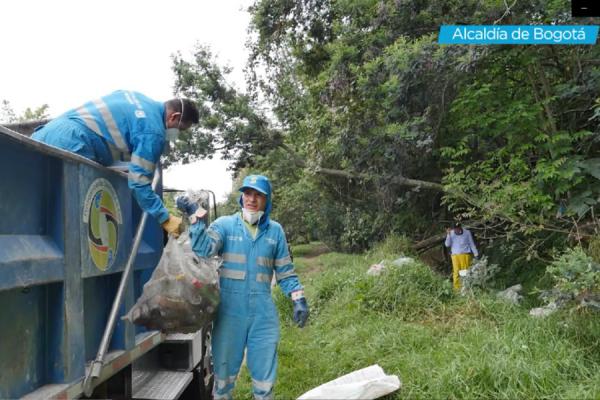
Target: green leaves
[519,140]
[8,116]
[576,274]
[360,88]
[591,166]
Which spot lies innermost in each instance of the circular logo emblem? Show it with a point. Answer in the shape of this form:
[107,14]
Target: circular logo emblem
[102,214]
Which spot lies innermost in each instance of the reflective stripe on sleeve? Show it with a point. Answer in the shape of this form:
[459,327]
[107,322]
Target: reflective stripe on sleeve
[232,274]
[142,162]
[138,178]
[280,262]
[265,262]
[286,274]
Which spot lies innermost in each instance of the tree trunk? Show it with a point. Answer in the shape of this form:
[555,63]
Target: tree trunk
[430,242]
[399,180]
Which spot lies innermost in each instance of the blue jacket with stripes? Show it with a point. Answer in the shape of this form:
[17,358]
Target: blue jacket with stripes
[248,263]
[133,126]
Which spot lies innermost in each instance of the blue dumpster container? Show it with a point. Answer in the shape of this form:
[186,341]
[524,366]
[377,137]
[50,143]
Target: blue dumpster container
[66,229]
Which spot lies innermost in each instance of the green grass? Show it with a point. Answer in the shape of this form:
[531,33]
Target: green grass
[441,346]
[309,249]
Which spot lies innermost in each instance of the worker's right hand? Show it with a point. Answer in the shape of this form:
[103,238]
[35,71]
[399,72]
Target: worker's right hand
[172,225]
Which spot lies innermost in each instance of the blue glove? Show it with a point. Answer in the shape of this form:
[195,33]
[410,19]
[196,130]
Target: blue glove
[185,205]
[300,312]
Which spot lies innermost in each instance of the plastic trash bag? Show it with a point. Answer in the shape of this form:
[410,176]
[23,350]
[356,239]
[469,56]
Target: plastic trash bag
[183,293]
[367,383]
[376,269]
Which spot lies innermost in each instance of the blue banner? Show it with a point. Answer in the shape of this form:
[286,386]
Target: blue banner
[518,34]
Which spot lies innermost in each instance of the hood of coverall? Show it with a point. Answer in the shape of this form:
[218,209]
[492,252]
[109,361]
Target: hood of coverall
[261,184]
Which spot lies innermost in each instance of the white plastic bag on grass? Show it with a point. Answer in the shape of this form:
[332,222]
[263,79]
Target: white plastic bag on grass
[183,293]
[399,262]
[376,269]
[366,383]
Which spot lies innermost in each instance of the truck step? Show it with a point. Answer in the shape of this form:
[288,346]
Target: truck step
[181,351]
[159,384]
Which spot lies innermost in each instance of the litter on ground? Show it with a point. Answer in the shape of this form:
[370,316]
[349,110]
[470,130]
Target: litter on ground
[366,383]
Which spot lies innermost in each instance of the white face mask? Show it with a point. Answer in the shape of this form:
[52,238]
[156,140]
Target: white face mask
[172,134]
[251,217]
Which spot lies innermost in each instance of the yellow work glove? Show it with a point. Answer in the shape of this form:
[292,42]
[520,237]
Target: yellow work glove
[172,225]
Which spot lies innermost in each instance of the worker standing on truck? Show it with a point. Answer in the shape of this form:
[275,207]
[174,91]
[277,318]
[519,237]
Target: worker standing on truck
[125,126]
[253,247]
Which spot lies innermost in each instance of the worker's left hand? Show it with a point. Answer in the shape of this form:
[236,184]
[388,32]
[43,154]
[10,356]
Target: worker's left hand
[300,311]
[185,205]
[190,208]
[172,225]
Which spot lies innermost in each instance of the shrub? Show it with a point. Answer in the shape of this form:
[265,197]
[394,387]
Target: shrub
[479,276]
[406,292]
[576,274]
[392,246]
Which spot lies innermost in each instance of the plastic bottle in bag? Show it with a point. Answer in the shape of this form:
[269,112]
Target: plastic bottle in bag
[182,294]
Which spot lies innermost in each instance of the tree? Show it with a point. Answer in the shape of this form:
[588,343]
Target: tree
[527,162]
[355,102]
[8,116]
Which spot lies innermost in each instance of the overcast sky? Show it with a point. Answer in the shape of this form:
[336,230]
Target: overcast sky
[66,52]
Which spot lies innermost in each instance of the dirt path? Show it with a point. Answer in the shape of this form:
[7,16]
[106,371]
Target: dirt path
[311,261]
[317,250]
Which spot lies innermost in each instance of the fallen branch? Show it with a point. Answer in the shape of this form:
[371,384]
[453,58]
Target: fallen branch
[399,180]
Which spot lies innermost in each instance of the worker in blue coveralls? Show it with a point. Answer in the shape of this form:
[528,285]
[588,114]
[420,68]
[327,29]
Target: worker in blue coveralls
[253,247]
[125,126]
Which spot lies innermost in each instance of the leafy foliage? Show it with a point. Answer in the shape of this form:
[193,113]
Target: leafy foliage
[356,114]
[576,274]
[230,121]
[525,156]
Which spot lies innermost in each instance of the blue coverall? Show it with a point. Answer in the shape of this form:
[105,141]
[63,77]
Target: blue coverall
[122,126]
[247,317]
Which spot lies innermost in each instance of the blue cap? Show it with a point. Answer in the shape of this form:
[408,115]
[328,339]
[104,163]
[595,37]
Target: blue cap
[259,183]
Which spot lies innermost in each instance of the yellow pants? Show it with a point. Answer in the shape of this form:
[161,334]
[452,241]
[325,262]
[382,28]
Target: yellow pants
[459,262]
